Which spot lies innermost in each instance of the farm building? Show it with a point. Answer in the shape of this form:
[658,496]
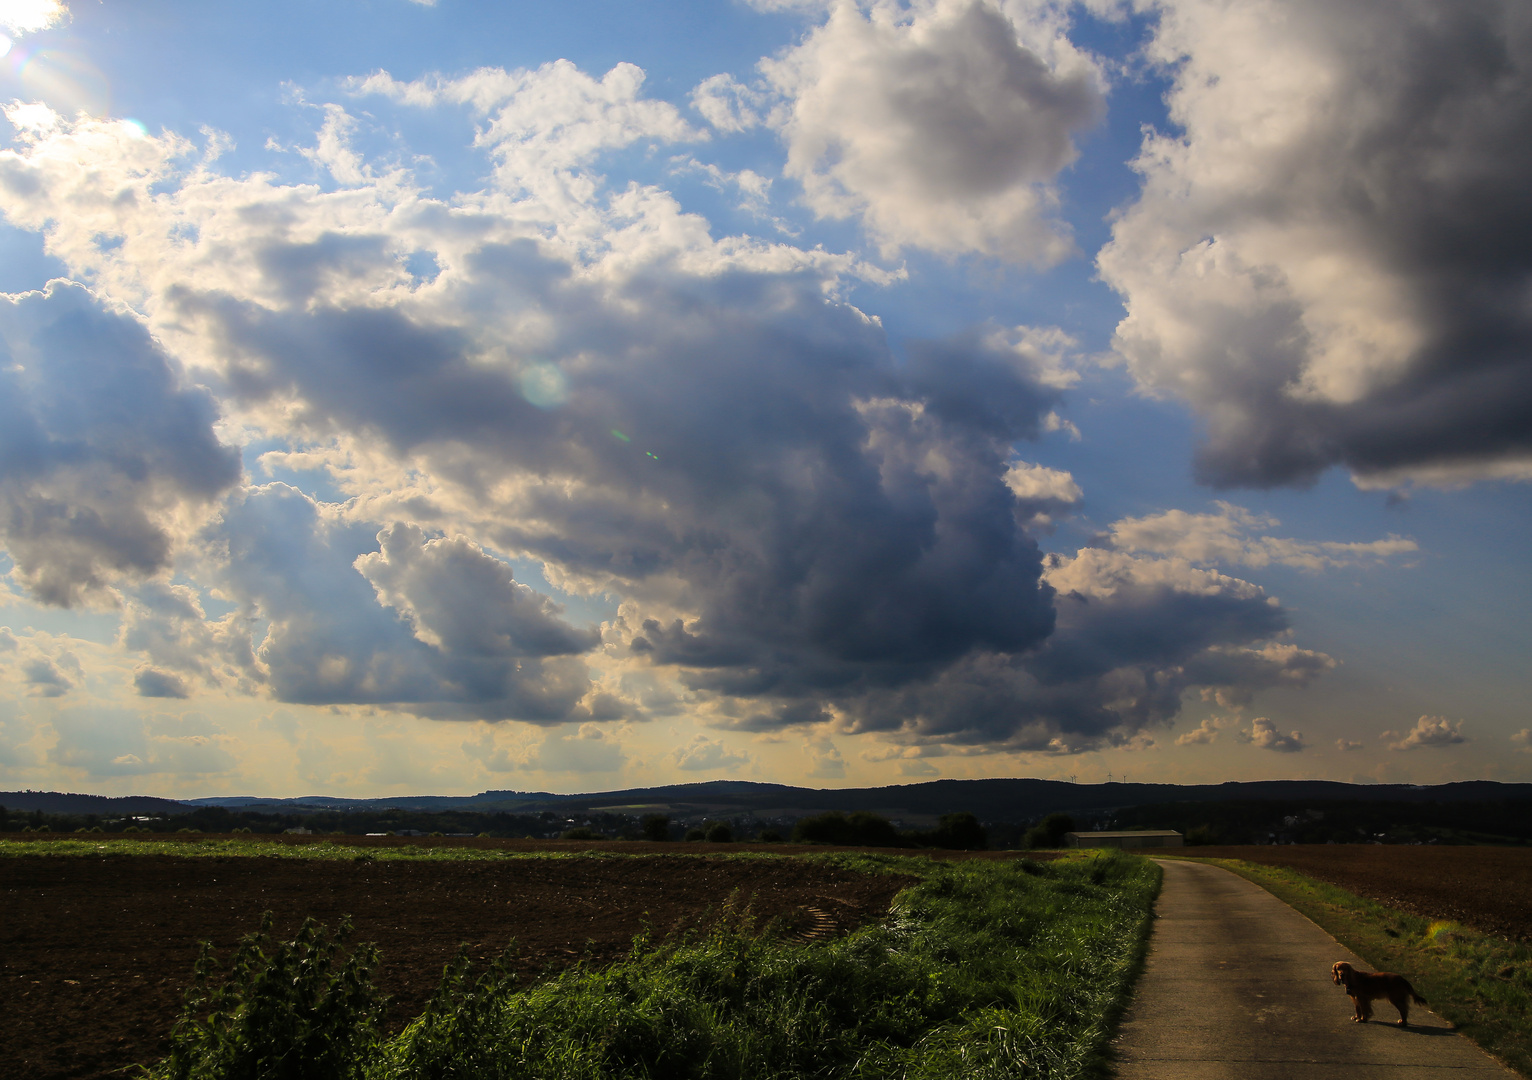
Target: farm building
[1165,838]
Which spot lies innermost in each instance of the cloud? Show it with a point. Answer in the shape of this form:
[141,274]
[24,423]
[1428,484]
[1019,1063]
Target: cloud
[1233,537]
[434,627]
[30,16]
[1132,637]
[728,105]
[1522,740]
[158,684]
[1264,734]
[800,529]
[825,761]
[1345,746]
[934,124]
[546,122]
[106,742]
[1205,732]
[103,453]
[44,678]
[1327,258]
[167,623]
[1429,733]
[708,755]
[587,749]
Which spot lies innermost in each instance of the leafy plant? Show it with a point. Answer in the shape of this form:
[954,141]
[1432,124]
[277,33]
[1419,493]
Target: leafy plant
[303,1009]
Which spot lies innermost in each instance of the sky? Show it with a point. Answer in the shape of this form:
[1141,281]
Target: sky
[405,397]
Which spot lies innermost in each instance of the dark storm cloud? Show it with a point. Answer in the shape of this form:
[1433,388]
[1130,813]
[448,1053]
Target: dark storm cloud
[1133,636]
[832,517]
[98,444]
[804,528]
[1403,159]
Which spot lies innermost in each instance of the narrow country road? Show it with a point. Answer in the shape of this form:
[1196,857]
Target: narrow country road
[1238,986]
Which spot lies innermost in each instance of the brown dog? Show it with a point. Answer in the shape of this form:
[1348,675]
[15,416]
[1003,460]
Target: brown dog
[1366,986]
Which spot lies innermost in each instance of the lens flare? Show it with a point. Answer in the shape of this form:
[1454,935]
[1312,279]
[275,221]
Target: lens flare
[544,385]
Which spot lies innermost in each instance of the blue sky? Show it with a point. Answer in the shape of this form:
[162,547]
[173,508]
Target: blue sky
[406,397]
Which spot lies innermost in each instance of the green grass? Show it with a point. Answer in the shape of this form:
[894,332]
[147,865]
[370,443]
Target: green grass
[984,969]
[1478,982]
[192,847]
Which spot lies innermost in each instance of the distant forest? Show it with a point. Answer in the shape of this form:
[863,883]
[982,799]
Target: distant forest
[1232,822]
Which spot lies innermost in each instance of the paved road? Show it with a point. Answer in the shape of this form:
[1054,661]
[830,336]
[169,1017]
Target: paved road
[1238,986]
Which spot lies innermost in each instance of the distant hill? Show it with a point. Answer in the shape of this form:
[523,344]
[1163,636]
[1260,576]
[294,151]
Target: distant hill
[993,800]
[58,802]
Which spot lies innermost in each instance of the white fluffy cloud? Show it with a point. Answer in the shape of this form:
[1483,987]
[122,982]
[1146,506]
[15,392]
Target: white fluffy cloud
[703,754]
[545,123]
[1329,257]
[1264,734]
[1233,537]
[30,16]
[934,123]
[1429,733]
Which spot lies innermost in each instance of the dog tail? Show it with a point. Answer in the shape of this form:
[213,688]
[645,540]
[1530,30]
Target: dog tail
[1415,994]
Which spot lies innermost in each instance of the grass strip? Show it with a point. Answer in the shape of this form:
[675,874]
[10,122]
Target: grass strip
[1480,983]
[1013,969]
[338,850]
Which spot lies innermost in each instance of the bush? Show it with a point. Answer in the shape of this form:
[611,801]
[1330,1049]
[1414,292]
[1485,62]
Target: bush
[580,833]
[1201,834]
[720,833]
[861,829]
[289,1010]
[695,834]
[1049,833]
[959,832]
[769,836]
[656,827]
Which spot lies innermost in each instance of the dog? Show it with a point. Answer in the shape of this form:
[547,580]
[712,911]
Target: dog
[1366,986]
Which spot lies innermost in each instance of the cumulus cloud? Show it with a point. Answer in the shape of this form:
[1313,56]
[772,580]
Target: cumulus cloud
[1205,732]
[1345,746]
[728,104]
[1429,733]
[802,530]
[825,761]
[1264,734]
[1328,258]
[934,124]
[1132,637]
[434,627]
[150,682]
[703,754]
[1233,537]
[45,678]
[103,452]
[1522,740]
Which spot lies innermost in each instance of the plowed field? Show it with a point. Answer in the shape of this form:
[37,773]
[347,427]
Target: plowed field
[1486,888]
[96,951]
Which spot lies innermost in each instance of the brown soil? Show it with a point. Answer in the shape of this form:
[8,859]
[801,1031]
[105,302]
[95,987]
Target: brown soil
[95,951]
[1486,888]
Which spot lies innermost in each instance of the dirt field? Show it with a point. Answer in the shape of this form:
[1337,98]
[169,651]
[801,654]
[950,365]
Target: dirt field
[95,951]
[1487,888]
